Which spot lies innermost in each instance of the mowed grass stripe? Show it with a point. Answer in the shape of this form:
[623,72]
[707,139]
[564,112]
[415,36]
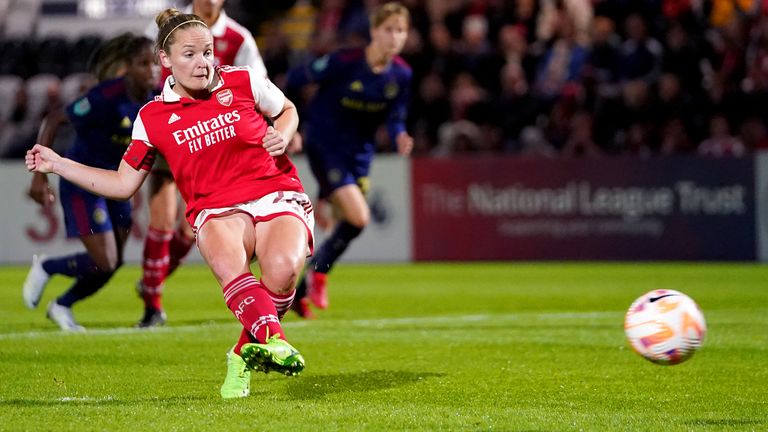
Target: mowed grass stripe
[457,346]
[459,320]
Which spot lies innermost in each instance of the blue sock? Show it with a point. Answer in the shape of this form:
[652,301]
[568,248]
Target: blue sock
[301,290]
[70,265]
[84,286]
[334,246]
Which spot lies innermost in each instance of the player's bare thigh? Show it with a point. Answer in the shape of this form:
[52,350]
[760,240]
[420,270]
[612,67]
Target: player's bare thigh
[352,204]
[227,244]
[163,205]
[103,249]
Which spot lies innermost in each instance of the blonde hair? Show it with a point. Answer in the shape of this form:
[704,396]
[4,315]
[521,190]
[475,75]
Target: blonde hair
[383,12]
[168,21]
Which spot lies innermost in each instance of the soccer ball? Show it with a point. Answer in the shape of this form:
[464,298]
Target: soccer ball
[665,326]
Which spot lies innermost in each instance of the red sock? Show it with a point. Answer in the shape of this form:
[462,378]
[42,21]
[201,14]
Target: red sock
[245,338]
[155,264]
[282,302]
[180,246]
[252,305]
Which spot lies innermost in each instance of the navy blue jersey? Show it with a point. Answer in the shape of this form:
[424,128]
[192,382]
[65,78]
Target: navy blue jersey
[352,101]
[103,122]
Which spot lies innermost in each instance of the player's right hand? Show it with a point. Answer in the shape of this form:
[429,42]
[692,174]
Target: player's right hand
[41,159]
[404,143]
[40,191]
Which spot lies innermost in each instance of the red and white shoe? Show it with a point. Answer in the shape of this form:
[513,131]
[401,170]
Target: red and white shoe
[301,307]
[317,288]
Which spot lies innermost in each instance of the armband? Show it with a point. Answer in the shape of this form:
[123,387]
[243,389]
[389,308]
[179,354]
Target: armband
[139,155]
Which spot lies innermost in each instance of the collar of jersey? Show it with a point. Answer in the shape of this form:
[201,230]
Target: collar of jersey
[171,96]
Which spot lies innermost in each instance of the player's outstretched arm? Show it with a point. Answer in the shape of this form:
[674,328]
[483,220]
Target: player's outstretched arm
[39,189]
[117,185]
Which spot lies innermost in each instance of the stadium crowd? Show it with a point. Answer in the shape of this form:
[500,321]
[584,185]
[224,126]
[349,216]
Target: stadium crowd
[553,78]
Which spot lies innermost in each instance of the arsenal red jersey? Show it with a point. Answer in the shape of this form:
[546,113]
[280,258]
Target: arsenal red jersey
[214,146]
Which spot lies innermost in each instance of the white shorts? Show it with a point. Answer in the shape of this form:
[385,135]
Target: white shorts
[267,208]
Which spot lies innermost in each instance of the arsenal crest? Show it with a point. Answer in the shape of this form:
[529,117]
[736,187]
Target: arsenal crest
[224,97]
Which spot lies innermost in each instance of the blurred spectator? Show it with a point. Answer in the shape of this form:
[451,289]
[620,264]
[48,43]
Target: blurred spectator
[526,16]
[513,48]
[580,140]
[41,94]
[517,108]
[458,138]
[519,70]
[445,59]
[675,139]
[603,62]
[533,143]
[756,57]
[562,63]
[725,12]
[429,110]
[683,58]
[557,126]
[721,142]
[640,55]
[754,134]
[673,103]
[297,25]
[477,56]
[276,54]
[464,94]
[552,13]
[635,140]
[327,25]
[624,117]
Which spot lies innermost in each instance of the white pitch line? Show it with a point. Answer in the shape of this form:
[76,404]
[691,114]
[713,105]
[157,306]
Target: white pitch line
[84,399]
[377,323]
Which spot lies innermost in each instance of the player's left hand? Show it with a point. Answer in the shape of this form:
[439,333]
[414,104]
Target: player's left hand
[404,143]
[274,142]
[296,144]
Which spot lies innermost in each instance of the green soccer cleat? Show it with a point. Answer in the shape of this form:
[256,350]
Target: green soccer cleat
[276,355]
[237,384]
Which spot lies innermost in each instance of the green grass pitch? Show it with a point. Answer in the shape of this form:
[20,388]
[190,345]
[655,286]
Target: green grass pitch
[498,346]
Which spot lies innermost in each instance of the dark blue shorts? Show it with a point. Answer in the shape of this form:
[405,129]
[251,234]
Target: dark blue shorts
[86,213]
[334,170]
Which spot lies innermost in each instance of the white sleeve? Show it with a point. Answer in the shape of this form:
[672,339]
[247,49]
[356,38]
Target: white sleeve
[248,55]
[270,100]
[139,131]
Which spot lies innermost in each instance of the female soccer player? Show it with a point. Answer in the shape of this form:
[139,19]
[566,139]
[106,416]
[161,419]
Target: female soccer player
[103,120]
[244,198]
[166,244]
[359,89]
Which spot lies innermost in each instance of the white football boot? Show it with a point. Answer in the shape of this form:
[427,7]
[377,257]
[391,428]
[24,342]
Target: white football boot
[34,284]
[62,316]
